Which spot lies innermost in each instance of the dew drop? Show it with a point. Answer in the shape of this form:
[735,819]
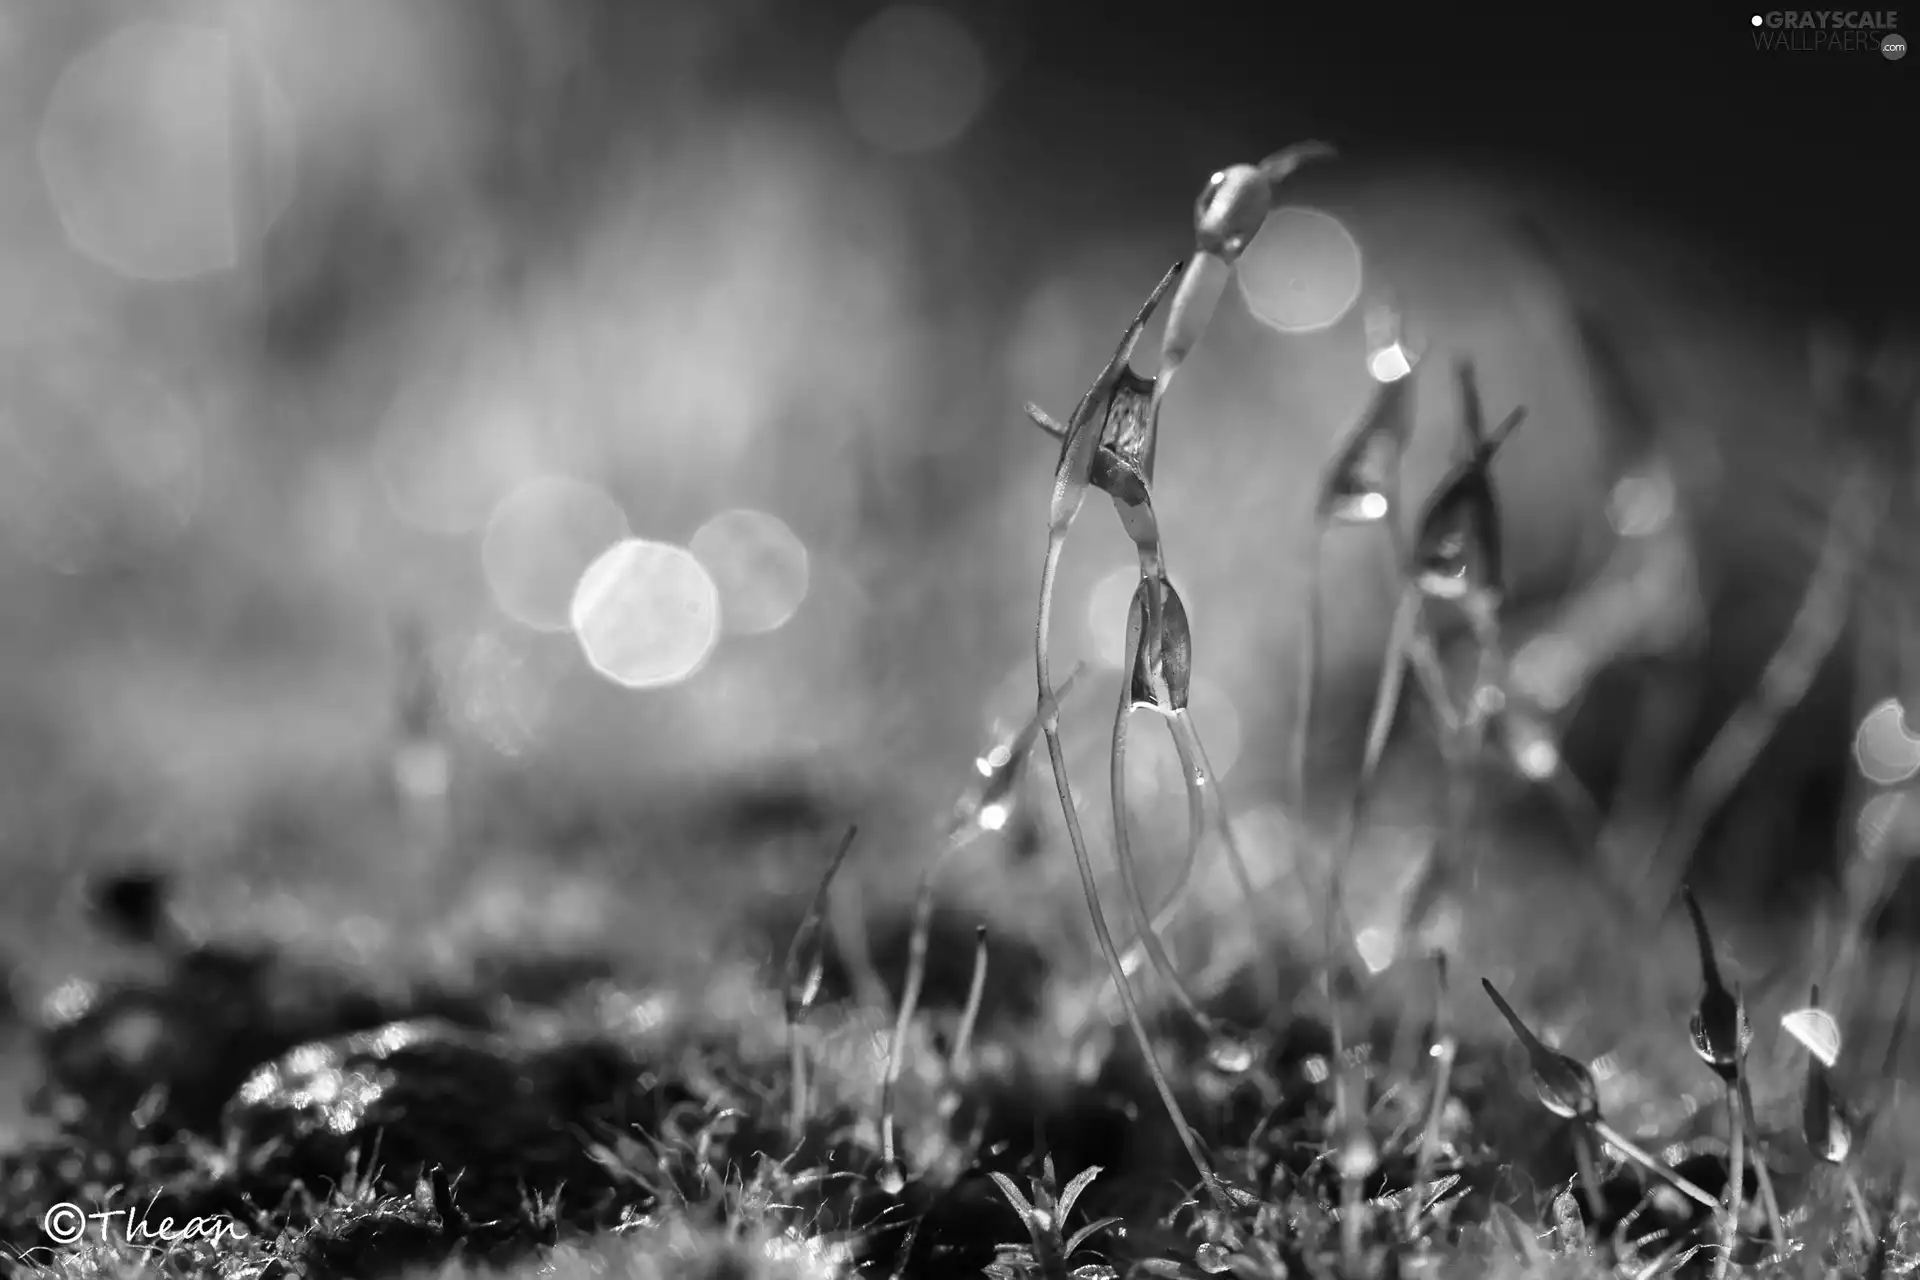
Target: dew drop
[1214,1259]
[1817,1031]
[1837,1142]
[1230,1055]
[892,1178]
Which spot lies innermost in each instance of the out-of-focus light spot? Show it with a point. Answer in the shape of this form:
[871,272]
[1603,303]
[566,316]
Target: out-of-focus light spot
[539,540]
[1389,364]
[1817,1031]
[1371,506]
[1883,748]
[1641,504]
[1376,948]
[68,1002]
[453,445]
[1538,759]
[912,79]
[97,461]
[1302,271]
[1530,745]
[758,564]
[1876,821]
[1547,670]
[994,816]
[167,151]
[422,769]
[647,614]
[1107,614]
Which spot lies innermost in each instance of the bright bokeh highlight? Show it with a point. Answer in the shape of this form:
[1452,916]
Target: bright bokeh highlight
[1376,947]
[539,540]
[1389,364]
[1817,1032]
[1302,271]
[1883,749]
[759,565]
[1641,503]
[647,614]
[167,151]
[912,79]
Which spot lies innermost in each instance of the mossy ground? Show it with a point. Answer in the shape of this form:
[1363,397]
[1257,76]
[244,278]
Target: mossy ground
[572,1088]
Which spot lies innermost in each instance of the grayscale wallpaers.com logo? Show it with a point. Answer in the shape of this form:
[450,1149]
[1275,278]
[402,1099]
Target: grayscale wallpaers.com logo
[1831,31]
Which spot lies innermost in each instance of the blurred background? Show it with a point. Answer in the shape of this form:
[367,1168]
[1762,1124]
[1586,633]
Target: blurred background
[623,398]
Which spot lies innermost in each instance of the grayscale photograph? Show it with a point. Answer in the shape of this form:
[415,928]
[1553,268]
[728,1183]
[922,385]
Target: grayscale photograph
[917,639]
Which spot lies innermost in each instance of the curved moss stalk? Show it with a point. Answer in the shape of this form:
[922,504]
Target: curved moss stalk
[960,1060]
[1736,1184]
[1444,1048]
[1134,954]
[1624,1145]
[1000,773]
[1589,1172]
[1462,749]
[1063,783]
[1307,677]
[1204,793]
[1147,937]
[801,979]
[909,1005]
[1188,1139]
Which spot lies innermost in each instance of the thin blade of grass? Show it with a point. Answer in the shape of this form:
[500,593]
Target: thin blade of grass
[1445,1047]
[1621,1143]
[1853,525]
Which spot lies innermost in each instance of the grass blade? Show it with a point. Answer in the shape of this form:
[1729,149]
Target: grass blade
[1853,525]
[959,1060]
[800,983]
